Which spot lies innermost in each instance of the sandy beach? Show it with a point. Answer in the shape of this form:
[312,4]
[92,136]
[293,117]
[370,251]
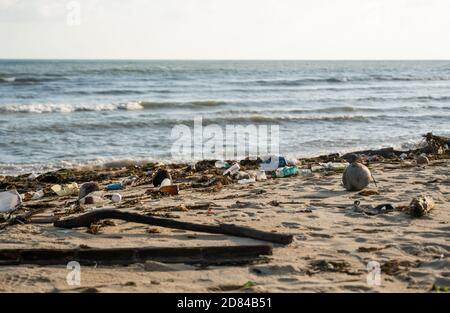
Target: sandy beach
[333,241]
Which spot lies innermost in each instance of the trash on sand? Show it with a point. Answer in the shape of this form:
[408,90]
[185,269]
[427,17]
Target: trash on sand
[248,284]
[9,201]
[65,190]
[171,189]
[166,182]
[422,160]
[160,176]
[271,163]
[370,210]
[33,195]
[38,195]
[403,156]
[330,166]
[88,188]
[87,200]
[246,181]
[261,176]
[335,166]
[222,164]
[232,170]
[116,197]
[242,175]
[305,172]
[286,171]
[421,206]
[356,176]
[129,180]
[114,186]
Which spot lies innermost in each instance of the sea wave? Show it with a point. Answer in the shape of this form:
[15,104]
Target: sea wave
[67,108]
[340,80]
[26,80]
[129,106]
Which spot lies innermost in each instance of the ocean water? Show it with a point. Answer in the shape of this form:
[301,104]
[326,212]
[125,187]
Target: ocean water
[65,113]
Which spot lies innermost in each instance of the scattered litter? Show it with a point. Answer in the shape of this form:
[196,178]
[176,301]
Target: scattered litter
[232,170]
[166,182]
[261,176]
[272,163]
[286,171]
[65,190]
[222,164]
[87,200]
[247,181]
[128,181]
[38,195]
[160,176]
[421,206]
[114,186]
[171,189]
[88,188]
[116,197]
[370,210]
[9,201]
[330,166]
[248,284]
[305,172]
[242,175]
[422,160]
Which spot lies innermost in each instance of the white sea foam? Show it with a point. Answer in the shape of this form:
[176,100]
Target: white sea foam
[69,108]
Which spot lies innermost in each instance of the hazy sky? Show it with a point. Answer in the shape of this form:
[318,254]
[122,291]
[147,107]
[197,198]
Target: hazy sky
[226,29]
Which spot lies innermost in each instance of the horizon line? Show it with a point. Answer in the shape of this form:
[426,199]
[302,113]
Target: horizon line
[205,59]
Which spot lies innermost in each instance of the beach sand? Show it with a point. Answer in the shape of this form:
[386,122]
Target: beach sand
[332,245]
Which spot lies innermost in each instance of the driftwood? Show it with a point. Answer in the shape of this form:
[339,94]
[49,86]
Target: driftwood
[384,152]
[435,144]
[221,255]
[21,218]
[87,219]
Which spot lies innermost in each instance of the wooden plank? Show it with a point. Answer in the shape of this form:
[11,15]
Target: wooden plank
[216,255]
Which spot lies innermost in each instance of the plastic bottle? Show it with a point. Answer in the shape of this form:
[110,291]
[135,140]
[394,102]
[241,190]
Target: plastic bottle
[272,163]
[221,164]
[115,186]
[305,172]
[261,176]
[232,170]
[286,171]
[246,181]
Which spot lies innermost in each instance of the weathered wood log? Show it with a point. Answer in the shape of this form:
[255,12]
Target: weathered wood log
[384,152]
[87,219]
[215,255]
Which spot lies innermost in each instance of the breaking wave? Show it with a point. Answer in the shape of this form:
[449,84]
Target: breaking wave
[337,80]
[129,106]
